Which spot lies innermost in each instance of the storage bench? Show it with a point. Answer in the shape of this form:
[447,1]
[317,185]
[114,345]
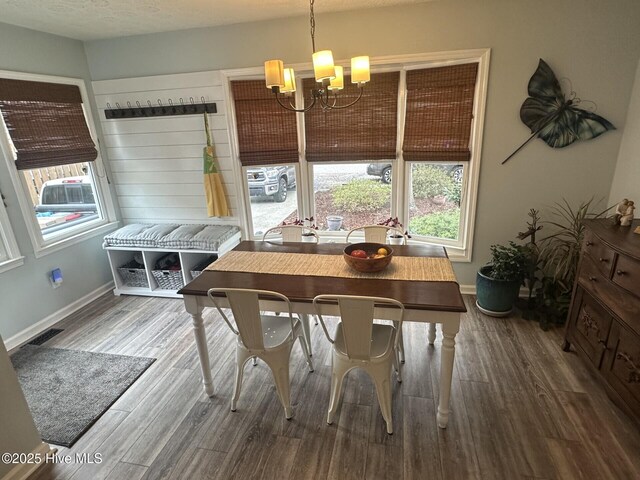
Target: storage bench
[134,251]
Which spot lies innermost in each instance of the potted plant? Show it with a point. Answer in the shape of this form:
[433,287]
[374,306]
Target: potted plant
[498,283]
[395,238]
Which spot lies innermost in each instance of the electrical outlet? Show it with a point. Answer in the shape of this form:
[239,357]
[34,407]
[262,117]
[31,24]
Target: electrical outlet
[56,277]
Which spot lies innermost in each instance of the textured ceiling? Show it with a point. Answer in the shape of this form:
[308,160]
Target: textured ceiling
[94,19]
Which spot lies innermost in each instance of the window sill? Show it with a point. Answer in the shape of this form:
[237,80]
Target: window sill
[11,264]
[80,237]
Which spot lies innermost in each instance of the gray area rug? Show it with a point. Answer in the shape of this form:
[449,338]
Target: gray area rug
[68,390]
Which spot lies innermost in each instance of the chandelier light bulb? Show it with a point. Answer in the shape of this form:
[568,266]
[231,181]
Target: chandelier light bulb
[274,73]
[360,72]
[337,83]
[323,67]
[289,81]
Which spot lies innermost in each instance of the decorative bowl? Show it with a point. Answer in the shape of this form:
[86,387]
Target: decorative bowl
[368,265]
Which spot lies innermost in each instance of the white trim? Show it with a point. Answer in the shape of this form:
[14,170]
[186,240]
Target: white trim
[23,471]
[37,328]
[100,182]
[11,263]
[79,237]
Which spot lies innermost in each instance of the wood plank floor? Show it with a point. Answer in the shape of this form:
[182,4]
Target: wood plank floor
[521,408]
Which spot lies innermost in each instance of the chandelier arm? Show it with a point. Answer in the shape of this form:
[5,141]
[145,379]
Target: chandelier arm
[324,101]
[338,107]
[291,108]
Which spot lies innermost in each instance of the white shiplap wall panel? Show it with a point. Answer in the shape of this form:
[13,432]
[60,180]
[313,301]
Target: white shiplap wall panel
[163,151]
[156,162]
[186,123]
[196,137]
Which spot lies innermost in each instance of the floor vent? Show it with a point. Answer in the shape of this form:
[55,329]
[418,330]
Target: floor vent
[48,335]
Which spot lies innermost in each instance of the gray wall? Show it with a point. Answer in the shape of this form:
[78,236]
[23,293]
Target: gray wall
[19,434]
[595,44]
[626,181]
[26,296]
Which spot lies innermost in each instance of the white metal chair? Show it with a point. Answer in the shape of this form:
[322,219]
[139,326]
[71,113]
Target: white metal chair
[268,337]
[293,233]
[361,343]
[378,233]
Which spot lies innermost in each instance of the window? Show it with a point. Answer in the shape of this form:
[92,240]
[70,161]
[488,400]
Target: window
[349,195]
[272,193]
[9,253]
[435,200]
[410,148]
[268,152]
[47,140]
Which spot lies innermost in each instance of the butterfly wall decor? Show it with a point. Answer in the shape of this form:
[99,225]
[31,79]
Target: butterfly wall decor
[552,117]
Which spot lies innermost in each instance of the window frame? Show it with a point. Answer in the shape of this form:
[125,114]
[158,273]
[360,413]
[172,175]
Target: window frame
[8,243]
[460,250]
[104,201]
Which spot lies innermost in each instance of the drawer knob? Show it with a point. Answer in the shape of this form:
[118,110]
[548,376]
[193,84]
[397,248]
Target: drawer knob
[620,272]
[588,243]
[603,344]
[592,278]
[604,260]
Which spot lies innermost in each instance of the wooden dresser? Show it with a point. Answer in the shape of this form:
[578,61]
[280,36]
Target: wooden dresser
[604,319]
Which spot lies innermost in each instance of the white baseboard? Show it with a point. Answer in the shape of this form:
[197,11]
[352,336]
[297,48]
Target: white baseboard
[471,290]
[24,470]
[37,328]
[468,289]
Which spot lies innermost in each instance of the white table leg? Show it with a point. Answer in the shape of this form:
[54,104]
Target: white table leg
[431,333]
[195,310]
[449,331]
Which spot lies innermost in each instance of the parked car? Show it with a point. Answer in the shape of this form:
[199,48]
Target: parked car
[271,182]
[383,170]
[65,202]
[72,194]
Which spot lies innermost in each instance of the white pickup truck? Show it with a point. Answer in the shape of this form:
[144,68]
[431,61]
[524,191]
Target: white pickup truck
[66,202]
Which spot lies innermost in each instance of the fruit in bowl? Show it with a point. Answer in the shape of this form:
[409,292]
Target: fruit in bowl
[368,257]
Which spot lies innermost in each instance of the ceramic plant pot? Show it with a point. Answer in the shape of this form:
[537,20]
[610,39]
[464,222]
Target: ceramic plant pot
[334,222]
[495,297]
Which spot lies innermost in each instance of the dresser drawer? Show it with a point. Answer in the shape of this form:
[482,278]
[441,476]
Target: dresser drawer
[601,253]
[627,274]
[620,302]
[622,366]
[590,324]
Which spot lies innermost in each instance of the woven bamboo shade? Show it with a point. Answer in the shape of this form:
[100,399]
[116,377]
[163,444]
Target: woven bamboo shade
[364,131]
[439,113]
[267,133]
[46,123]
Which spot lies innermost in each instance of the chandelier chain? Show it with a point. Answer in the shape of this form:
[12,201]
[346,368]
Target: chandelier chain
[312,21]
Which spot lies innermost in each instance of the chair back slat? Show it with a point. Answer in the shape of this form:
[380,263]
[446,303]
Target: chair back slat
[357,324]
[246,311]
[377,233]
[291,233]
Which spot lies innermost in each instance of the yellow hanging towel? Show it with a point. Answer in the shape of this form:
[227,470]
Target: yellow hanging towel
[216,199]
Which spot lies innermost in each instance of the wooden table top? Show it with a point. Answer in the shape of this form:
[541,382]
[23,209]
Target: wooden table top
[440,296]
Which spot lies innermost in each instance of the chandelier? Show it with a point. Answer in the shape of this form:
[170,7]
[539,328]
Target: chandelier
[329,77]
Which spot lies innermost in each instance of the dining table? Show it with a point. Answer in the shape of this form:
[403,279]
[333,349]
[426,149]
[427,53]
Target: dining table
[421,277]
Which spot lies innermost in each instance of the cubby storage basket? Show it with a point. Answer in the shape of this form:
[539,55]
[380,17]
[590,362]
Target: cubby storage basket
[199,268]
[168,279]
[133,275]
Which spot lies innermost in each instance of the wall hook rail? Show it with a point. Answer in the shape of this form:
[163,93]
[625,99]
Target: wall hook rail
[160,110]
